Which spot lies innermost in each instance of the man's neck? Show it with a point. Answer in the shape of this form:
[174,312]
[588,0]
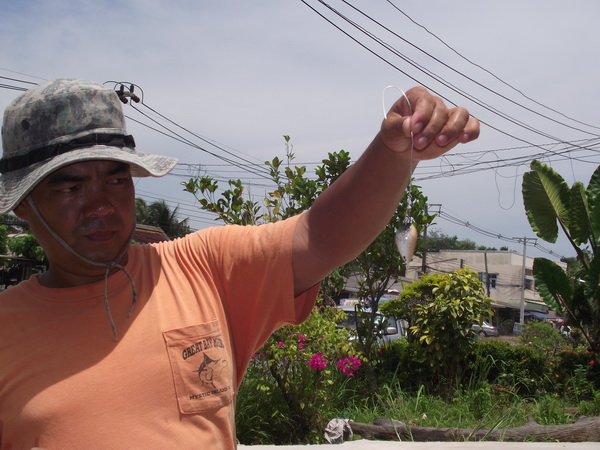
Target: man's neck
[57,277]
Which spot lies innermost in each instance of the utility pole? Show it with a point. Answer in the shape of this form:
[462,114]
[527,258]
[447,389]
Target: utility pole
[487,274]
[522,312]
[424,259]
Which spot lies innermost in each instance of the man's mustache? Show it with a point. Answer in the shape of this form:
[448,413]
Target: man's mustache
[97,224]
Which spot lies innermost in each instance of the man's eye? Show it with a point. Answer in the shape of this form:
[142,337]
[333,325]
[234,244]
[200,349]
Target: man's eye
[117,180]
[69,189]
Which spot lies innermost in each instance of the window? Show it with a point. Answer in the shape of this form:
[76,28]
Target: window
[492,279]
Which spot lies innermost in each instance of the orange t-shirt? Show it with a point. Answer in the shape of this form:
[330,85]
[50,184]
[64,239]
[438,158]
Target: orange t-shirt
[205,303]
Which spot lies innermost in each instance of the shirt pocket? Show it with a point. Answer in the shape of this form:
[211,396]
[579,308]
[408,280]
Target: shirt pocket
[202,367]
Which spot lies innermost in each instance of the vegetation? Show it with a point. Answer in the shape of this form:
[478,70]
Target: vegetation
[437,240]
[502,384]
[26,246]
[3,239]
[375,269]
[441,376]
[159,214]
[550,204]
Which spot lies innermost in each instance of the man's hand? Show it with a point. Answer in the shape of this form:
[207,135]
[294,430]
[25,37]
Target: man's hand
[350,214]
[436,128]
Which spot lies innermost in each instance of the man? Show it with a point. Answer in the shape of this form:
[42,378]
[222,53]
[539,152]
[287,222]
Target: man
[145,346]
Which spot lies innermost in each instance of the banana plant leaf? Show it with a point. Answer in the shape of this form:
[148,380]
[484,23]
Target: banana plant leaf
[592,279]
[593,195]
[553,285]
[546,199]
[579,218]
[593,188]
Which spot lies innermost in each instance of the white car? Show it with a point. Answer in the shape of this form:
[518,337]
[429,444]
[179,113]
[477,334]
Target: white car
[485,330]
[395,329]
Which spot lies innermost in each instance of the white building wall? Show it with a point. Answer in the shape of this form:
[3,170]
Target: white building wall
[504,267]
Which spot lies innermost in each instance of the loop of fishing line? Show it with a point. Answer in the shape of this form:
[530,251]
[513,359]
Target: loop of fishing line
[412,142]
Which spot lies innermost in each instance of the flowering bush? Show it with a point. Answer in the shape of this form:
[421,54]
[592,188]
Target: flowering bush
[317,362]
[349,365]
[294,371]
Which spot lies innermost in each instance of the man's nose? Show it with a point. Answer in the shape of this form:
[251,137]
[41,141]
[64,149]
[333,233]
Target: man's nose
[99,205]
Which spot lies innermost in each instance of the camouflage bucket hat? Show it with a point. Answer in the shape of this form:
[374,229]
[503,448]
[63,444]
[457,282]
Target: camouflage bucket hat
[62,122]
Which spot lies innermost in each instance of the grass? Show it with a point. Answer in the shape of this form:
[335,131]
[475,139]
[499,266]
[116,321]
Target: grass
[263,419]
[479,409]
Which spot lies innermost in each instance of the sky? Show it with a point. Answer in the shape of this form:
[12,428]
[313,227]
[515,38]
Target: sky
[240,75]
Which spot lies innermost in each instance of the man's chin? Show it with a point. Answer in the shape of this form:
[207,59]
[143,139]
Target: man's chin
[104,257]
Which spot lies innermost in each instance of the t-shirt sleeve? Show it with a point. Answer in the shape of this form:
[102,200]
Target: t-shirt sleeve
[255,275]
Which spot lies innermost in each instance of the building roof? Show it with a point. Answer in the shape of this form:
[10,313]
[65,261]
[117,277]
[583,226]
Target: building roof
[147,234]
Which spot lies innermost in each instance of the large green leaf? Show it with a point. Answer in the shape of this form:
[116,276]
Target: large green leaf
[552,283]
[546,199]
[594,184]
[592,279]
[579,218]
[593,195]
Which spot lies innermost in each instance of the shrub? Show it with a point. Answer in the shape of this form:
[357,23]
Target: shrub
[577,372]
[543,336]
[520,368]
[294,376]
[401,361]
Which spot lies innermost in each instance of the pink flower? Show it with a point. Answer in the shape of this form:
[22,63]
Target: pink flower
[301,337]
[317,362]
[300,345]
[349,365]
[280,344]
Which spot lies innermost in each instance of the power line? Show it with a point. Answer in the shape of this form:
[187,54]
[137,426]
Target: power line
[481,85]
[448,217]
[486,70]
[427,72]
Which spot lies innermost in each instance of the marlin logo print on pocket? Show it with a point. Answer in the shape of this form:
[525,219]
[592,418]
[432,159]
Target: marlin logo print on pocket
[200,366]
[206,371]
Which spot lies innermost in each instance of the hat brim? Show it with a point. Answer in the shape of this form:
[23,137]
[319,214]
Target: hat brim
[15,185]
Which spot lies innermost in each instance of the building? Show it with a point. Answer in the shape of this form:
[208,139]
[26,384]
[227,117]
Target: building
[502,275]
[148,234]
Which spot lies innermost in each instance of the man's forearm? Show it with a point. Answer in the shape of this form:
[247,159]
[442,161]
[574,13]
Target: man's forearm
[351,213]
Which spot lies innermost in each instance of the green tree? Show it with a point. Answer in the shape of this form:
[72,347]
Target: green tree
[404,307]
[9,223]
[3,239]
[26,246]
[445,308]
[436,241]
[159,214]
[551,204]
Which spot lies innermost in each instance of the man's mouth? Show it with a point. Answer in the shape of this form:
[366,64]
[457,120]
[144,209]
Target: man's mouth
[100,235]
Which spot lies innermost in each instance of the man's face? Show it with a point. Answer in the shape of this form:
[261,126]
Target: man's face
[90,205]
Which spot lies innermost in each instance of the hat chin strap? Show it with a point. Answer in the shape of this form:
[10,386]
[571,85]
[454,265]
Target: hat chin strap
[107,265]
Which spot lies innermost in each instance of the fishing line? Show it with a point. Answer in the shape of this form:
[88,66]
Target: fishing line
[412,143]
[406,234]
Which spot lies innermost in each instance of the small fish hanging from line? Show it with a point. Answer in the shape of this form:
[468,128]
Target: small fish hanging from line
[406,234]
[406,240]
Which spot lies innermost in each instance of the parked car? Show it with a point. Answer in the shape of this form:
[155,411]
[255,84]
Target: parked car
[485,330]
[394,329]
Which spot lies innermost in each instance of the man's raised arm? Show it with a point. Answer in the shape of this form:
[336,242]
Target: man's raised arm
[352,212]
